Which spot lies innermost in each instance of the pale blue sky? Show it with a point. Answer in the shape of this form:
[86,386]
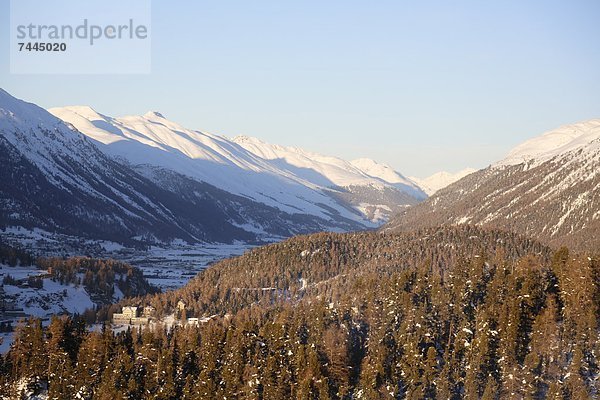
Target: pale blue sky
[423,85]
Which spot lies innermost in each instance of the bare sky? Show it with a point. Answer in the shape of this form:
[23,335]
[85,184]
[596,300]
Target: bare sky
[423,86]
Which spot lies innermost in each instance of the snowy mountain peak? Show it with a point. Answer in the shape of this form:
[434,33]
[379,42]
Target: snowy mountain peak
[6,98]
[441,179]
[85,118]
[18,113]
[85,111]
[154,115]
[566,139]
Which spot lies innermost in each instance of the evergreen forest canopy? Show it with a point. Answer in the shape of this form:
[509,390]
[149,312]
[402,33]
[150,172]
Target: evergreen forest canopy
[445,313]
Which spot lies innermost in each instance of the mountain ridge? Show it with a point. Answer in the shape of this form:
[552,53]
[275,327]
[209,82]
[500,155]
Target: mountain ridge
[550,192]
[441,179]
[57,179]
[289,178]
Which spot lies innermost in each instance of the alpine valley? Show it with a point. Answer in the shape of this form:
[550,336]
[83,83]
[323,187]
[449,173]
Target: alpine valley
[363,287]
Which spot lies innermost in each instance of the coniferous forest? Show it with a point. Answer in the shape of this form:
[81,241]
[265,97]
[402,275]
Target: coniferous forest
[445,313]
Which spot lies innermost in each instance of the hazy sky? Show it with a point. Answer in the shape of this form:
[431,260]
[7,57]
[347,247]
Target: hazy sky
[422,85]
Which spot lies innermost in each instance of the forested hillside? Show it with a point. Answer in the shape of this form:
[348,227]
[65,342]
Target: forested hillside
[437,314]
[99,277]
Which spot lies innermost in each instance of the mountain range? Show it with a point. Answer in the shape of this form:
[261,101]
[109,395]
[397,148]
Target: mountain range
[145,178]
[148,179]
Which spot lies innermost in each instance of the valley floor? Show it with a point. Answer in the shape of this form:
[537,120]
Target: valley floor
[168,266]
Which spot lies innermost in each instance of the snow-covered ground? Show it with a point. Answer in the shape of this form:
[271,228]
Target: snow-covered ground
[52,299]
[171,267]
[6,339]
[167,266]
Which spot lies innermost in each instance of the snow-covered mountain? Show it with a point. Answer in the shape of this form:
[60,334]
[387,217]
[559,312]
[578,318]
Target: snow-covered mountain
[567,139]
[440,180]
[291,179]
[57,179]
[145,178]
[547,187]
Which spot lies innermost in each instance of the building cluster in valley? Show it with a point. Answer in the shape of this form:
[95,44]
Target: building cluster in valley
[140,316]
[134,315]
